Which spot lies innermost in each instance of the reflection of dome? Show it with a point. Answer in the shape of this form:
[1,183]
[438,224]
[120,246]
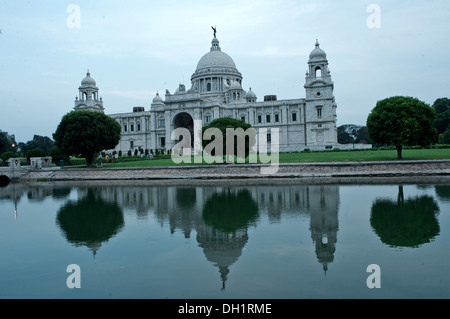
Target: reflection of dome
[215,58]
[317,53]
[221,249]
[224,234]
[88,81]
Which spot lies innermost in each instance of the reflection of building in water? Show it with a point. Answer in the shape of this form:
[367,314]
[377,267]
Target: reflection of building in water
[181,208]
[320,202]
[324,222]
[220,248]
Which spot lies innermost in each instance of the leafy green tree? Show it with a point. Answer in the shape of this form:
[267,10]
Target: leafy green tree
[45,143]
[86,133]
[444,138]
[402,121]
[362,136]
[6,156]
[58,155]
[343,136]
[442,107]
[240,135]
[5,143]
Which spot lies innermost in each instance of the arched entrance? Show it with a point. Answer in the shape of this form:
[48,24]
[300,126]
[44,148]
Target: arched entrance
[184,120]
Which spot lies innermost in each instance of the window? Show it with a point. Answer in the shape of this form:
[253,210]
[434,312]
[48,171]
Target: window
[318,72]
[259,119]
[243,118]
[268,118]
[132,127]
[163,141]
[207,118]
[125,128]
[319,125]
[138,127]
[277,118]
[131,144]
[161,123]
[208,87]
[269,137]
[294,117]
[319,112]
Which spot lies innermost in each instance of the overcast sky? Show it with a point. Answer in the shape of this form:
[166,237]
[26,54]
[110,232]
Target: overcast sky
[135,48]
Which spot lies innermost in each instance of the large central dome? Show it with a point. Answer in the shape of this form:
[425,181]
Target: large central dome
[215,58]
[215,71]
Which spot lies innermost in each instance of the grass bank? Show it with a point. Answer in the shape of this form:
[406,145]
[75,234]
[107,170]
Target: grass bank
[331,156]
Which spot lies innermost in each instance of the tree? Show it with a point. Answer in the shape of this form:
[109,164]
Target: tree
[86,133]
[45,143]
[245,135]
[58,155]
[362,136]
[5,143]
[402,121]
[444,138]
[343,136]
[442,107]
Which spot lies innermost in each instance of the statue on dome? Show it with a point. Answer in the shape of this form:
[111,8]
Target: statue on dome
[215,30]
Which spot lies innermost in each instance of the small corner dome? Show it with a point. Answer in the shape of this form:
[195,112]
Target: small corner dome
[250,94]
[317,53]
[157,98]
[88,81]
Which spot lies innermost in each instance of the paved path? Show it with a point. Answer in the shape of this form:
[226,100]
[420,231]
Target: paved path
[233,171]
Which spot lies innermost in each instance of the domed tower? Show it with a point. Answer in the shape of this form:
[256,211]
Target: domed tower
[250,96]
[320,108]
[216,72]
[88,99]
[157,101]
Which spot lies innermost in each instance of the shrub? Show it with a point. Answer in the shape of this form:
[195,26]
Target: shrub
[35,152]
[58,155]
[6,156]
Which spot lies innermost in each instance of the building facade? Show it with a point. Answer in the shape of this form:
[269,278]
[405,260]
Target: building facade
[216,91]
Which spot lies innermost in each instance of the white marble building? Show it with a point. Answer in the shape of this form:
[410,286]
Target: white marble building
[216,91]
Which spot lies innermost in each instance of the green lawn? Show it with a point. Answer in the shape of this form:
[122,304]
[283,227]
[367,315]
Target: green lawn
[342,156]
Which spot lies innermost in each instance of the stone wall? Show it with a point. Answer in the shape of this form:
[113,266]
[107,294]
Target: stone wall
[233,171]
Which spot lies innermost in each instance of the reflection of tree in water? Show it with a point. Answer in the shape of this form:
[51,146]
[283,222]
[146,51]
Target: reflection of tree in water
[228,212]
[59,193]
[90,221]
[223,234]
[405,223]
[443,192]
